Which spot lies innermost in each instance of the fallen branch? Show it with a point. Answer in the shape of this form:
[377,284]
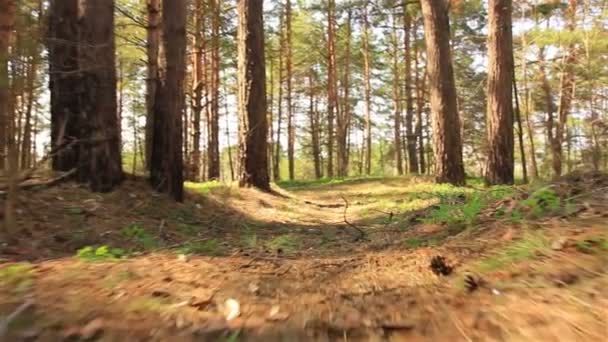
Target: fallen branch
[362,234]
[7,321]
[28,184]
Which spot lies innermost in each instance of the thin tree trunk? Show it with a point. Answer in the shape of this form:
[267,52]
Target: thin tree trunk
[332,96]
[226,112]
[500,164]
[253,127]
[420,101]
[343,116]
[213,149]
[411,137]
[153,8]
[277,156]
[567,93]
[367,87]
[314,128]
[449,166]
[529,126]
[26,143]
[291,132]
[396,101]
[197,90]
[520,131]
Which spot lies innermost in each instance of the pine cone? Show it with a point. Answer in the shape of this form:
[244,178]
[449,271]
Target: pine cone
[440,267]
[471,283]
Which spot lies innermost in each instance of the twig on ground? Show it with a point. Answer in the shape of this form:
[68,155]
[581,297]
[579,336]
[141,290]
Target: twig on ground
[362,234]
[7,321]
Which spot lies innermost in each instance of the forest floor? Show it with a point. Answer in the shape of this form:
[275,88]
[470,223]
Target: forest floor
[356,259]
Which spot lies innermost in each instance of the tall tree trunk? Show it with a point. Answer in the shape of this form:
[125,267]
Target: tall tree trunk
[332,96]
[8,150]
[420,102]
[32,75]
[343,117]
[153,47]
[166,173]
[226,114]
[291,131]
[500,164]
[277,155]
[529,125]
[270,115]
[396,101]
[567,93]
[213,130]
[197,90]
[520,131]
[101,166]
[314,127]
[411,137]
[449,166]
[548,99]
[253,127]
[367,90]
[65,84]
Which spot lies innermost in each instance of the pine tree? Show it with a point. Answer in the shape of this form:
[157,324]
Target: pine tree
[253,127]
[447,143]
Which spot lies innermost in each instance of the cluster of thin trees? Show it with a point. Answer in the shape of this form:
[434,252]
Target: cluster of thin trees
[86,114]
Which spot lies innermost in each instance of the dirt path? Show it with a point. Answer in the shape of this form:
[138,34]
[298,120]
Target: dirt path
[294,268]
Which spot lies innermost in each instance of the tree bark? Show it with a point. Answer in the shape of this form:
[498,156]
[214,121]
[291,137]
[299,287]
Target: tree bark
[8,150]
[314,127]
[291,131]
[500,164]
[153,47]
[332,96]
[253,127]
[566,94]
[64,82]
[197,91]
[529,125]
[411,137]
[420,102]
[367,90]
[449,167]
[344,116]
[166,173]
[277,155]
[213,130]
[396,102]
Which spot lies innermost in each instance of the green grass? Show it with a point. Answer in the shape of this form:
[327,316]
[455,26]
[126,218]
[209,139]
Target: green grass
[528,247]
[205,247]
[205,187]
[137,234]
[101,253]
[17,278]
[313,183]
[286,243]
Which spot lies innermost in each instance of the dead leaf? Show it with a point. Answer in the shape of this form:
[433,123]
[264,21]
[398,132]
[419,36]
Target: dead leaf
[93,329]
[231,309]
[276,314]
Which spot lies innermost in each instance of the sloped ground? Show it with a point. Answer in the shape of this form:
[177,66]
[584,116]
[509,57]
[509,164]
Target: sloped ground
[342,260]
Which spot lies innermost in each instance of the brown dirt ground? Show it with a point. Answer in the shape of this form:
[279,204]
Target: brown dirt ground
[324,285]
